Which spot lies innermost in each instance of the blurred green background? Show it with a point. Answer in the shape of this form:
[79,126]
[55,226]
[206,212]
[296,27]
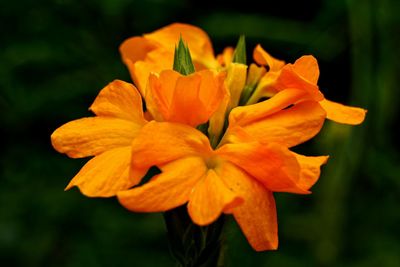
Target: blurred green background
[56,55]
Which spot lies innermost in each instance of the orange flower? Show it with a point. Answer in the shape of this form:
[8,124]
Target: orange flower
[107,137]
[236,174]
[154,52]
[303,75]
[118,107]
[235,179]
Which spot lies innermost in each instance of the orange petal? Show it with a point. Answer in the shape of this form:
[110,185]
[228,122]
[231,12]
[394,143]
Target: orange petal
[299,77]
[263,58]
[236,134]
[92,136]
[188,99]
[140,72]
[155,61]
[271,164]
[343,114]
[244,115]
[265,87]
[198,41]
[256,216]
[160,92]
[167,190]
[137,48]
[186,106]
[134,52]
[160,59]
[291,126]
[210,198]
[161,142]
[307,67]
[120,100]
[143,56]
[212,91]
[310,169]
[210,94]
[106,174]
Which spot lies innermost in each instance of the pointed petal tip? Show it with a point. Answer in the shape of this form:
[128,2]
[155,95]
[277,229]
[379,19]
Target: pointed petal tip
[68,187]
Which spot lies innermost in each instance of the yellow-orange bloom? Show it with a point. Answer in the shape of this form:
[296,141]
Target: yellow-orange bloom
[236,174]
[119,118]
[302,75]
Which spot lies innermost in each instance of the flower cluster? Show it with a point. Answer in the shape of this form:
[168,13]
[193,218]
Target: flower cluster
[219,130]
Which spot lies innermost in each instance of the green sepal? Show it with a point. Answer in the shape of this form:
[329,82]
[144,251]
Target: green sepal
[182,59]
[239,56]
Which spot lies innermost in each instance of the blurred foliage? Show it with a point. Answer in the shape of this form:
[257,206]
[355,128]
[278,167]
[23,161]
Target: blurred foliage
[56,55]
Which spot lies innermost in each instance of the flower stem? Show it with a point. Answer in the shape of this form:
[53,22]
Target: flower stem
[193,245]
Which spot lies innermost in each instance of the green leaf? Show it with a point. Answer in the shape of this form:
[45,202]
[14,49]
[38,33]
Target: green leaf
[182,59]
[239,56]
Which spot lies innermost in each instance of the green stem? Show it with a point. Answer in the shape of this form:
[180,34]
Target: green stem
[193,245]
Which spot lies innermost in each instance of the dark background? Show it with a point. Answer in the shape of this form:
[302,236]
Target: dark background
[56,55]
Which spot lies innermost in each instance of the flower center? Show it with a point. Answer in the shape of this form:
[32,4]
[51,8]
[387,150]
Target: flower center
[212,162]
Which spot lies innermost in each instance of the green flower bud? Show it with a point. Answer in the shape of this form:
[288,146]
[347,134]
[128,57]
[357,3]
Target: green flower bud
[239,56]
[182,59]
